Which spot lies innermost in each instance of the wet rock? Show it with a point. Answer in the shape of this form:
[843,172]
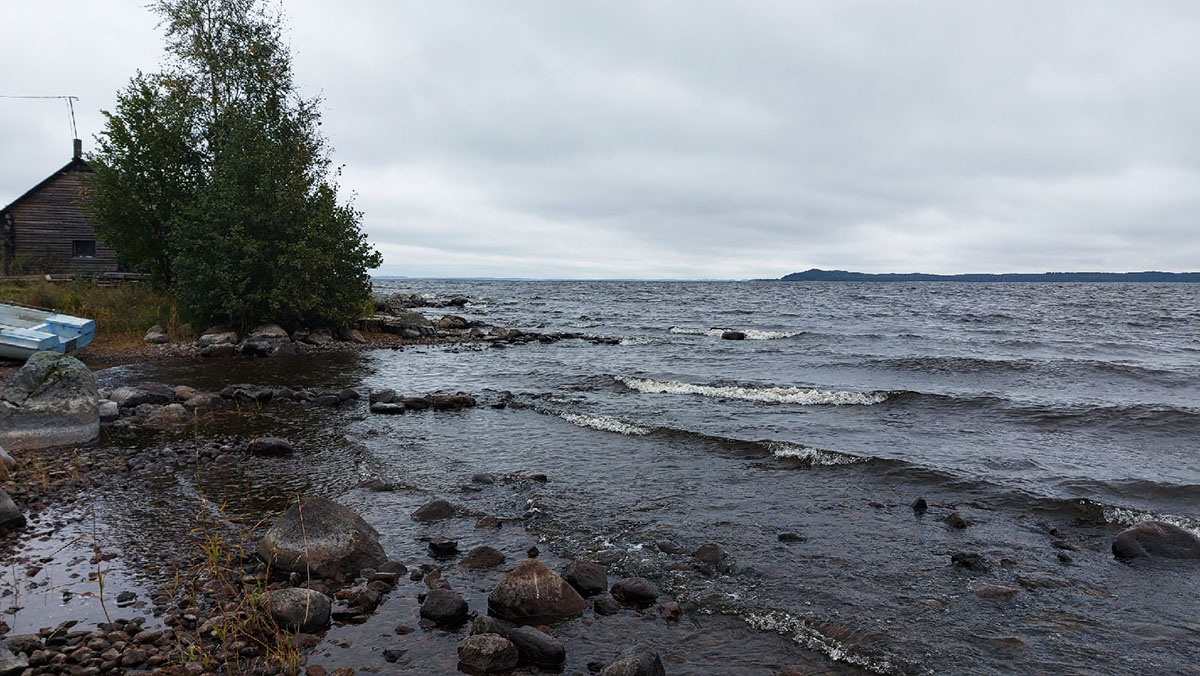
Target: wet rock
[218,351]
[108,411]
[644,663]
[183,392]
[451,402]
[10,662]
[1063,544]
[1156,539]
[636,591]
[733,335]
[532,592]
[415,403]
[485,478]
[487,653]
[264,339]
[271,447]
[536,647]
[671,611]
[302,609]
[1032,582]
[382,396]
[453,322]
[443,548]
[321,536]
[217,335]
[444,607]
[970,561]
[156,335]
[434,511]
[993,591]
[320,336]
[709,554]
[606,605]
[387,408]
[790,538]
[327,400]
[956,521]
[351,336]
[488,523]
[586,577]
[11,517]
[919,506]
[50,401]
[482,557]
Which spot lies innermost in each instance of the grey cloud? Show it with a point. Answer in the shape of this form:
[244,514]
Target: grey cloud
[722,139]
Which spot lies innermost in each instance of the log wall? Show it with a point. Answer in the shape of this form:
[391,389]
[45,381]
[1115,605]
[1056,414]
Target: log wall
[46,222]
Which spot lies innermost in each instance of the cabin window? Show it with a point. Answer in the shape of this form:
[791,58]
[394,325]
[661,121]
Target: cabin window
[84,248]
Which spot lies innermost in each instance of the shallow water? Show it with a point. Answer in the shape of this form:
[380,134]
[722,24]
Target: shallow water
[1038,412]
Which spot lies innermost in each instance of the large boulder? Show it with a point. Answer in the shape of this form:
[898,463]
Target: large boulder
[217,335]
[303,609]
[10,515]
[51,401]
[265,339]
[1156,538]
[531,592]
[319,536]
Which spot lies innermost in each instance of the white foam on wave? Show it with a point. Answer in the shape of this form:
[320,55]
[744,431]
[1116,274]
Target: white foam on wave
[641,340]
[813,456]
[804,634]
[605,424]
[751,334]
[1123,516]
[777,395]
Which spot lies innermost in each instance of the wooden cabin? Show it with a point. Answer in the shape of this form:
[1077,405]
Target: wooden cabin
[46,230]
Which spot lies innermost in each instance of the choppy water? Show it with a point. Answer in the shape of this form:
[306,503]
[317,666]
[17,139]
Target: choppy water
[1038,412]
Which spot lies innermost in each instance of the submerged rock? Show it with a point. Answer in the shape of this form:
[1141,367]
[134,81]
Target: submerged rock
[1156,538]
[531,592]
[482,557]
[451,402]
[270,447]
[302,609]
[534,646]
[51,401]
[318,535]
[635,591]
[434,511]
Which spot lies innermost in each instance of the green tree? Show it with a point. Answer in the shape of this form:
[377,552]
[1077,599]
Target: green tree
[214,175]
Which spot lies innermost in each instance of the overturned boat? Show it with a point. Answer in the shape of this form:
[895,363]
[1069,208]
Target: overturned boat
[25,330]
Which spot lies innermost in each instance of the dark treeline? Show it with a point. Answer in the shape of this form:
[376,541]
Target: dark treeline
[815,275]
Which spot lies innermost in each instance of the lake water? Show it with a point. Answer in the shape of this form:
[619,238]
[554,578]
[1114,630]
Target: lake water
[1048,416]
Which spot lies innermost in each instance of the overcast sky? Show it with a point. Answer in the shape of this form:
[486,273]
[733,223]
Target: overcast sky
[697,139]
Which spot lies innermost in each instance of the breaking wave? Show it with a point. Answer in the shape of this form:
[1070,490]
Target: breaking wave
[810,455]
[604,424]
[751,334]
[775,395]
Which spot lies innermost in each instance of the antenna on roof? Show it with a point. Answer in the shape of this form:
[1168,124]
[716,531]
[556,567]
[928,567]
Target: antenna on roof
[70,107]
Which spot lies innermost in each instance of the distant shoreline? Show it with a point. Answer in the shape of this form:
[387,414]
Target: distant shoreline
[816,275]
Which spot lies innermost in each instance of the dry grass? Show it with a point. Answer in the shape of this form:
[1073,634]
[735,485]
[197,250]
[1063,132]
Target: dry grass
[122,312]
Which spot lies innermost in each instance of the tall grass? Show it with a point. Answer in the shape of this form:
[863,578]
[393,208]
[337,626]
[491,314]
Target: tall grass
[121,311]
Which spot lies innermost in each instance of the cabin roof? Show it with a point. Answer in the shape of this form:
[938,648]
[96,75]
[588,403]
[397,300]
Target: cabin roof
[76,164]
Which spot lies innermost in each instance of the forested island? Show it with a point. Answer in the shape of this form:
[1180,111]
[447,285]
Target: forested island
[817,275]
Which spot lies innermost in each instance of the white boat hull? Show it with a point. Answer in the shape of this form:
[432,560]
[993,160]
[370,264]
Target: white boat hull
[24,331]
